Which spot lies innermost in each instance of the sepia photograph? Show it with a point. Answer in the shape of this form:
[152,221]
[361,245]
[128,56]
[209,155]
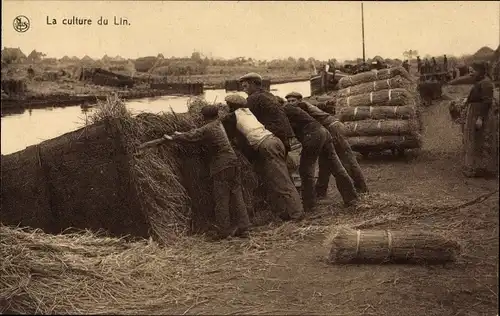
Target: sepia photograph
[250,157]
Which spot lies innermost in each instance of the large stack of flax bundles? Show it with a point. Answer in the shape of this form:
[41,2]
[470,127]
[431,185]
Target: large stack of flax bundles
[380,110]
[95,178]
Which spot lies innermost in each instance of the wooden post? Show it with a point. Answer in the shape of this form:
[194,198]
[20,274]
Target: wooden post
[363,31]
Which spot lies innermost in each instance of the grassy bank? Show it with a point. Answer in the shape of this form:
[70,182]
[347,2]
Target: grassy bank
[57,85]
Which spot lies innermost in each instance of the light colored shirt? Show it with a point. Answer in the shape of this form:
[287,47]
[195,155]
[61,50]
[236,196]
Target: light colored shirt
[250,127]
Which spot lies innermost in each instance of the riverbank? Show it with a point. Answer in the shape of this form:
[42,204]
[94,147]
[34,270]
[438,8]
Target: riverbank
[61,93]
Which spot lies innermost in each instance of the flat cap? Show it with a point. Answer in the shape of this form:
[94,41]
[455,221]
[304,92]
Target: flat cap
[251,76]
[210,111]
[236,99]
[479,66]
[293,94]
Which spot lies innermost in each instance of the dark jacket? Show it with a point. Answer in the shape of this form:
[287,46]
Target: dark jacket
[267,110]
[214,137]
[322,117]
[481,95]
[300,121]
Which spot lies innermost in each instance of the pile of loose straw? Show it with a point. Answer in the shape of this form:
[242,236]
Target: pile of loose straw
[84,273]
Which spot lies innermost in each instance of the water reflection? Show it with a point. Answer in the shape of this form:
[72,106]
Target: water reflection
[33,126]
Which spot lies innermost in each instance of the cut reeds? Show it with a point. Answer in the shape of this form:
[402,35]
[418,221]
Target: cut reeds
[373,75]
[378,143]
[391,83]
[390,97]
[376,112]
[380,127]
[388,246]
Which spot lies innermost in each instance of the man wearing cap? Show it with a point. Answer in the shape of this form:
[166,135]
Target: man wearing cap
[479,102]
[225,172]
[269,158]
[340,143]
[317,143]
[266,108]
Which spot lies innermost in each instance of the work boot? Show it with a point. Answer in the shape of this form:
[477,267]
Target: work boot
[284,217]
[223,234]
[299,218]
[351,202]
[311,209]
[321,193]
[243,234]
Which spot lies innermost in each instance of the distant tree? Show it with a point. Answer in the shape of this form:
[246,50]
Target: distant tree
[105,58]
[12,55]
[409,54]
[35,56]
[196,56]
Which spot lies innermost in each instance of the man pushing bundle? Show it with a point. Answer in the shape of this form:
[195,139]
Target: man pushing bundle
[225,172]
[266,108]
[340,143]
[267,154]
[317,143]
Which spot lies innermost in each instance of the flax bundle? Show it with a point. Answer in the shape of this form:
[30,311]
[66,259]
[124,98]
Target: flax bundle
[380,127]
[389,97]
[373,75]
[392,83]
[384,246]
[376,112]
[378,143]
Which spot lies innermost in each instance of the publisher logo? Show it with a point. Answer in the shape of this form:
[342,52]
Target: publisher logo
[21,24]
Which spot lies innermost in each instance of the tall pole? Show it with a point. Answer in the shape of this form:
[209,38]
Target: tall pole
[363,30]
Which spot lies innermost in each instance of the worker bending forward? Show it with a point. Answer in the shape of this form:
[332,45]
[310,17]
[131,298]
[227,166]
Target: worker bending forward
[266,108]
[317,142]
[340,143]
[269,158]
[230,209]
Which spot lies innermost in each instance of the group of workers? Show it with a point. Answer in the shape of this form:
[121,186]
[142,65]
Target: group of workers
[431,67]
[261,127]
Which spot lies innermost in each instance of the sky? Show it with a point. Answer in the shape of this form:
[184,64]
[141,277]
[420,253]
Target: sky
[261,29]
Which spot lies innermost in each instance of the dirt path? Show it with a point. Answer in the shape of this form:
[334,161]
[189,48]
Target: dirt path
[290,275]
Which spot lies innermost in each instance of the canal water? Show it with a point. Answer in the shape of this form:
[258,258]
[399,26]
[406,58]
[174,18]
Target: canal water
[37,125]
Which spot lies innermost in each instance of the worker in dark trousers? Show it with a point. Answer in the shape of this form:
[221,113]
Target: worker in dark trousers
[268,158]
[479,102]
[317,142]
[225,171]
[340,143]
[427,67]
[266,108]
[419,65]
[435,67]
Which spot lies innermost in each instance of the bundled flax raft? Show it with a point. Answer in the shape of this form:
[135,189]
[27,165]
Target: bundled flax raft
[386,246]
[373,75]
[379,120]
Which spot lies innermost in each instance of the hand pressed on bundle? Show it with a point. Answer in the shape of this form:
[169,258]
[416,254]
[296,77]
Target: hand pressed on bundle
[479,123]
